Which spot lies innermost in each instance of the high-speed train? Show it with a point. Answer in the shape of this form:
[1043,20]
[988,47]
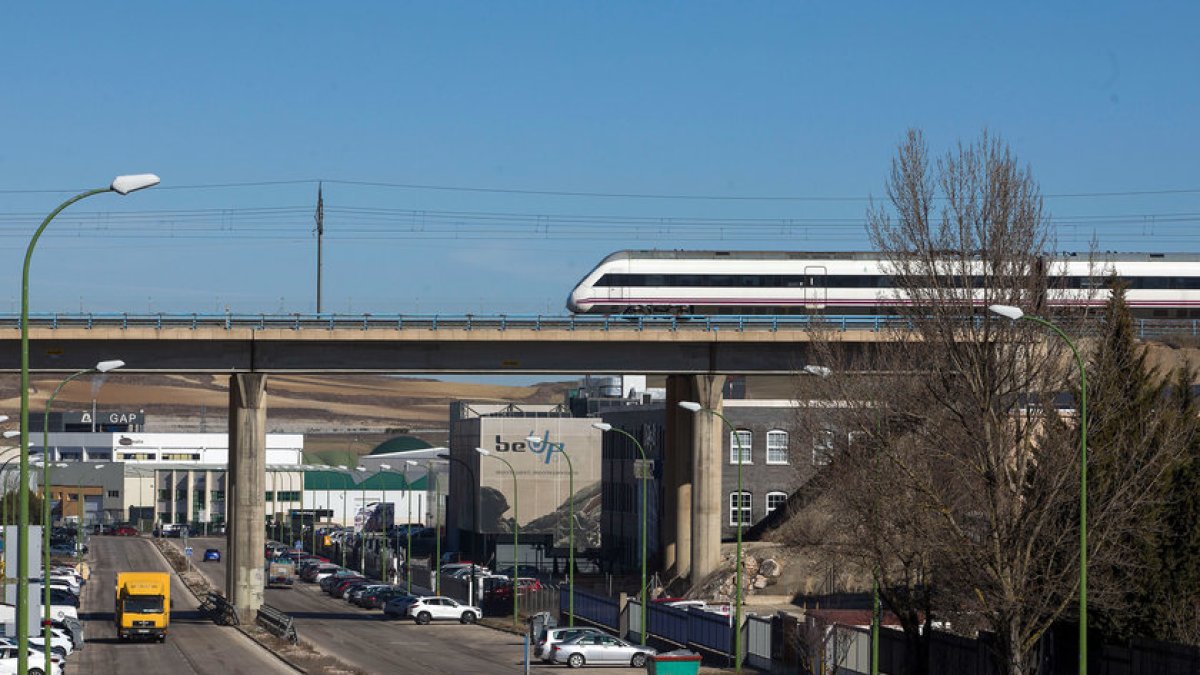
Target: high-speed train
[779,282]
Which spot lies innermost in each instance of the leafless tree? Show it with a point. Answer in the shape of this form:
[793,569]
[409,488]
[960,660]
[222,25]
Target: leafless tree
[960,488]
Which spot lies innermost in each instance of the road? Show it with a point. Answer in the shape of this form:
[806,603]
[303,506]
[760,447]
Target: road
[194,644]
[363,639]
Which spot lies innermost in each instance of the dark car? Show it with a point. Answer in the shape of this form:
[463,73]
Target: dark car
[125,531]
[339,590]
[337,577]
[377,598]
[212,554]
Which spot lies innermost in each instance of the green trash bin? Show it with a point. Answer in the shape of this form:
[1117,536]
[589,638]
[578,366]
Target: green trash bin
[673,664]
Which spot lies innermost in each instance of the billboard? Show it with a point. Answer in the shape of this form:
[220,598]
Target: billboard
[547,456]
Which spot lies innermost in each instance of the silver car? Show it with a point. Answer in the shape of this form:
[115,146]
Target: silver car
[551,636]
[599,650]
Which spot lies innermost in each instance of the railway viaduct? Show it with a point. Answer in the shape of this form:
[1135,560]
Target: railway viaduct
[696,355]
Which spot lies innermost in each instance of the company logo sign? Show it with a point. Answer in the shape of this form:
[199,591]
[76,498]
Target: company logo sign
[543,447]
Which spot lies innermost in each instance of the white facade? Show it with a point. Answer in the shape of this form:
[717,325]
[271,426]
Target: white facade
[345,504]
[151,448]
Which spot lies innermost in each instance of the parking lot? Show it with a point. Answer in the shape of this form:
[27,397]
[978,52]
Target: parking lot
[365,640]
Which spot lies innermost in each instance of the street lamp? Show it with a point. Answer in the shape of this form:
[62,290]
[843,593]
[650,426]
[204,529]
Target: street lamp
[101,367]
[12,433]
[604,426]
[362,545]
[408,530]
[516,529]
[1016,314]
[387,534]
[121,185]
[737,620]
[437,527]
[534,441]
[345,488]
[475,550]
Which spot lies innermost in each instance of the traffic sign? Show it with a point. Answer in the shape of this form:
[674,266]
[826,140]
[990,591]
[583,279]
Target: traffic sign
[188,551]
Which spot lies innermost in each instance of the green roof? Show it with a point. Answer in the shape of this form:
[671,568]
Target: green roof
[340,480]
[400,444]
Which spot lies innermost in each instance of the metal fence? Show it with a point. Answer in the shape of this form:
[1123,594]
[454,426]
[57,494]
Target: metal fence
[757,634]
[594,608]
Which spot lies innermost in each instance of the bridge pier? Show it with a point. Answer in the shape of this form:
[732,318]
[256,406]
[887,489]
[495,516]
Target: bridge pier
[677,482]
[706,468]
[245,487]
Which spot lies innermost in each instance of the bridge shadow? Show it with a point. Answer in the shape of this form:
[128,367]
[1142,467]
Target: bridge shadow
[337,616]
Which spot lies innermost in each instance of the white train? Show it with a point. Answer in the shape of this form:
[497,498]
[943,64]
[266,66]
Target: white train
[1163,286]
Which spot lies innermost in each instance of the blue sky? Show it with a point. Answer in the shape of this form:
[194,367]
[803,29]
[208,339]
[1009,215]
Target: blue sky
[725,101]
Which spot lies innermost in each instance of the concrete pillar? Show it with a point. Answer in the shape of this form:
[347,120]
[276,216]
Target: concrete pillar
[677,481]
[246,483]
[707,433]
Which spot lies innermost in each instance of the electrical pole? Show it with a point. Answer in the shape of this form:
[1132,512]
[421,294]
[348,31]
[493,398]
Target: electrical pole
[320,234]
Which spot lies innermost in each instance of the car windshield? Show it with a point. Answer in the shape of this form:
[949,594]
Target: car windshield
[144,604]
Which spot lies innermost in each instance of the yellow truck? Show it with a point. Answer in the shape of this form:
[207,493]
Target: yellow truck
[143,608]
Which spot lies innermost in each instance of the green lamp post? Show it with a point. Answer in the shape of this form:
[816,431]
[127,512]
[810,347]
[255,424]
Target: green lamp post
[737,607]
[47,462]
[516,531]
[603,426]
[1017,314]
[121,185]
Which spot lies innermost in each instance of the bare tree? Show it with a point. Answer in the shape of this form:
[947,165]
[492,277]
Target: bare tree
[963,492]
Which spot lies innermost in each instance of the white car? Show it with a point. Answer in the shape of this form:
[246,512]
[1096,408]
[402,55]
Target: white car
[438,608]
[60,644]
[35,660]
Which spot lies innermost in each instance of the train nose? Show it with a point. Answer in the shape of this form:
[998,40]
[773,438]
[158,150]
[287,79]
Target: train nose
[571,306]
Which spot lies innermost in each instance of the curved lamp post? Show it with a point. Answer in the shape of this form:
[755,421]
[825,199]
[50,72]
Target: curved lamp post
[474,511]
[387,534]
[47,462]
[12,433]
[121,185]
[534,442]
[362,538]
[516,530]
[604,426]
[437,528]
[1016,314]
[737,608]
[408,529]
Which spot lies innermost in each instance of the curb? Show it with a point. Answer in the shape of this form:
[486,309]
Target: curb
[239,628]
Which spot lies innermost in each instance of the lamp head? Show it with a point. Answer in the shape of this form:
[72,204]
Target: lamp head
[602,426]
[106,366]
[99,466]
[1007,311]
[819,371]
[360,468]
[386,467]
[12,433]
[412,462]
[3,418]
[691,405]
[123,185]
[483,451]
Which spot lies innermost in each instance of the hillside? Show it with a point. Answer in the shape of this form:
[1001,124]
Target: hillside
[362,405]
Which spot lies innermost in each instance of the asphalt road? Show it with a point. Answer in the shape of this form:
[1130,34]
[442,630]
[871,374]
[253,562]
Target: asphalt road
[194,644]
[363,639]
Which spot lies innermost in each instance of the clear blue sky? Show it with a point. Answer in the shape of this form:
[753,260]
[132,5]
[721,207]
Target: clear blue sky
[718,100]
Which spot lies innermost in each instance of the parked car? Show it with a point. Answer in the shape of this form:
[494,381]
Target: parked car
[524,585]
[125,531]
[8,658]
[212,554]
[379,598]
[336,577]
[598,650]
[339,589]
[524,571]
[438,608]
[354,593]
[397,606]
[552,636]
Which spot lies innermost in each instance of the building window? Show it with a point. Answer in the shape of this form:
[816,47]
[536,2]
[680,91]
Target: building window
[743,440]
[137,456]
[822,447]
[114,493]
[270,496]
[740,502]
[181,456]
[289,495]
[164,495]
[777,447]
[218,495]
[775,500]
